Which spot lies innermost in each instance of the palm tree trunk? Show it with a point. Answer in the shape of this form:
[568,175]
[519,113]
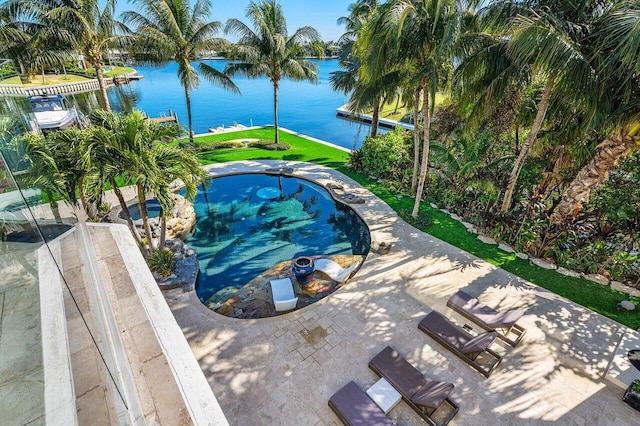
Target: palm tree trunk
[426,113]
[375,118]
[524,151]
[127,216]
[142,205]
[416,139]
[611,151]
[187,97]
[163,230]
[103,89]
[276,86]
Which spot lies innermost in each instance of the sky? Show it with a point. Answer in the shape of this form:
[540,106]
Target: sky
[320,14]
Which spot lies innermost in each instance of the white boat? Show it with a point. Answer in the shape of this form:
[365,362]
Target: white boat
[51,113]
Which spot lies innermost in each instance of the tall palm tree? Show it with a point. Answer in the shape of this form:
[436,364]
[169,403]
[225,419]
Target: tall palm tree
[268,50]
[28,41]
[168,30]
[80,24]
[426,36]
[618,33]
[553,43]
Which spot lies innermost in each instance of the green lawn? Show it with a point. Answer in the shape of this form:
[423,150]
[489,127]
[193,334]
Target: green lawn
[49,79]
[388,110]
[301,149]
[589,294]
[118,71]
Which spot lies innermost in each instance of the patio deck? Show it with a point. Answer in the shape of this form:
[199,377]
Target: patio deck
[283,370]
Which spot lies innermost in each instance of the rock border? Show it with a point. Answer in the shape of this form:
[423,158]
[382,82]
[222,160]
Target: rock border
[597,278]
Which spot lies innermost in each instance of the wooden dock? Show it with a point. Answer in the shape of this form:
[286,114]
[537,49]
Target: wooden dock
[171,118]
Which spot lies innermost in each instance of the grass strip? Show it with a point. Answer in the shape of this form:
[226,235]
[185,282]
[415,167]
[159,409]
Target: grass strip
[598,298]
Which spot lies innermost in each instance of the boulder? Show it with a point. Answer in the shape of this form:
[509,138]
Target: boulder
[543,264]
[627,305]
[597,278]
[506,248]
[486,240]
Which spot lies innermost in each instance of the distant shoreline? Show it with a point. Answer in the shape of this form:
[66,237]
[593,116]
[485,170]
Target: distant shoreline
[222,58]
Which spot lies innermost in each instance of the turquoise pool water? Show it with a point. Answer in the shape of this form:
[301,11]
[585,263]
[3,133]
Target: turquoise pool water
[153,210]
[248,223]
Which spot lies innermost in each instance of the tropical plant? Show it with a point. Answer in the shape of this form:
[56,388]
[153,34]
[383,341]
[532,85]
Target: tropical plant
[426,35]
[139,152]
[80,25]
[363,83]
[268,50]
[167,30]
[618,33]
[555,45]
[29,42]
[161,262]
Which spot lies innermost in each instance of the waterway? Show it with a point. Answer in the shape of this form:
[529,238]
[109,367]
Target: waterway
[303,107]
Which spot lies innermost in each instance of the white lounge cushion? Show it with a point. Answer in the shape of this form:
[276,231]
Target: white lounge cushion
[333,270]
[283,297]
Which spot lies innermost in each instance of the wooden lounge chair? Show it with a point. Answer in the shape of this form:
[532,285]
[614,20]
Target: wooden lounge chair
[283,297]
[461,343]
[488,318]
[423,395]
[354,407]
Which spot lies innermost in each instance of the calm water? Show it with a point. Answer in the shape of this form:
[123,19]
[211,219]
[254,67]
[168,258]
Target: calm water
[303,107]
[247,224]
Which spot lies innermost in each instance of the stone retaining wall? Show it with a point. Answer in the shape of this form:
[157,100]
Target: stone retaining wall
[66,88]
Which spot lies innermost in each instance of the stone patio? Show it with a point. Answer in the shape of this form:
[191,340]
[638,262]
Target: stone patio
[282,370]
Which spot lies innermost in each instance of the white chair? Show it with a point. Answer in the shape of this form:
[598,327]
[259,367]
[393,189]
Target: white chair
[283,297]
[333,270]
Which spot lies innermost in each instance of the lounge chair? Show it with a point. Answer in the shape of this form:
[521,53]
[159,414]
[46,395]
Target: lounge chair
[423,395]
[488,318]
[461,343]
[333,270]
[283,297]
[354,407]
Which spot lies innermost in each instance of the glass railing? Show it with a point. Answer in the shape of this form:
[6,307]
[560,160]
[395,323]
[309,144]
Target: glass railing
[40,312]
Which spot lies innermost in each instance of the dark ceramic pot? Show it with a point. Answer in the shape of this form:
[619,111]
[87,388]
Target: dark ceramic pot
[303,268]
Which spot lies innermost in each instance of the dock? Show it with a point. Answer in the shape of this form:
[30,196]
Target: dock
[171,118]
[119,79]
[344,113]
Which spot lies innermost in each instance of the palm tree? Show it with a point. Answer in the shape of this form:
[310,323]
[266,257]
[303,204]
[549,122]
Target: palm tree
[80,24]
[426,36]
[618,32]
[268,50]
[143,155]
[168,30]
[553,44]
[28,42]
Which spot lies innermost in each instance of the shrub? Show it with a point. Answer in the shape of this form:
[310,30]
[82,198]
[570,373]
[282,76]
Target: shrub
[282,146]
[422,222]
[210,146]
[270,145]
[386,156]
[161,262]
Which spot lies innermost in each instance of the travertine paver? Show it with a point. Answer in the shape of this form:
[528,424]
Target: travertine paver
[283,370]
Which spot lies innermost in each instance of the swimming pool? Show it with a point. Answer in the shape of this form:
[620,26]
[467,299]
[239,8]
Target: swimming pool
[248,223]
[153,210]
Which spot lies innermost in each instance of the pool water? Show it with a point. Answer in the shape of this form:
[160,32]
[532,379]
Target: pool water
[153,210]
[246,224]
